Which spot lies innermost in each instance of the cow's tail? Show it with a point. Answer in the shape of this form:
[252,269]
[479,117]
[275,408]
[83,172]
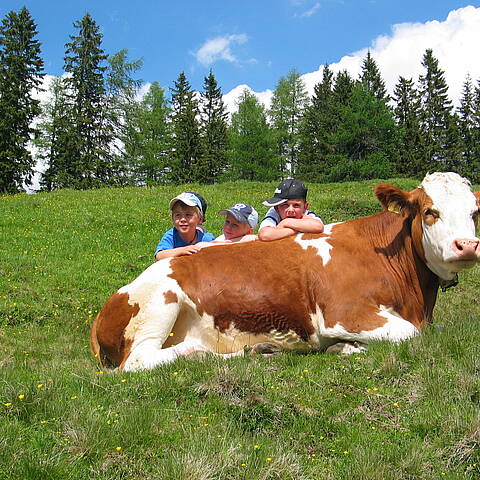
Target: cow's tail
[94,342]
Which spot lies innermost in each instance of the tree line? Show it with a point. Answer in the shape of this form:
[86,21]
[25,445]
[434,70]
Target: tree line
[96,129]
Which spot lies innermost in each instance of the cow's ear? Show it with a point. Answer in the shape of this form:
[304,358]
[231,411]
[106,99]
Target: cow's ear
[477,195]
[393,198]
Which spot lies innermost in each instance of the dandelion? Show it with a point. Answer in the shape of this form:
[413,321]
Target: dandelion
[321,437]
[375,389]
[73,397]
[118,449]
[256,447]
[43,422]
[123,380]
[21,396]
[40,385]
[243,465]
[175,374]
[346,452]
[268,459]
[8,404]
[305,370]
[170,334]
[395,404]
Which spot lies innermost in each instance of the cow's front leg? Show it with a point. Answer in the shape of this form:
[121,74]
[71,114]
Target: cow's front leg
[346,348]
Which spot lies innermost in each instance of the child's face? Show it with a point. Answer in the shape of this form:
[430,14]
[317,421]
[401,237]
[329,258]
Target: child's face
[185,220]
[232,228]
[293,208]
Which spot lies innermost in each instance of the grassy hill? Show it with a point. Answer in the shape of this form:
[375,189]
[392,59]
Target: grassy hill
[399,411]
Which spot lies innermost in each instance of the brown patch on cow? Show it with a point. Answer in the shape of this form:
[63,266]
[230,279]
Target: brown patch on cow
[170,297]
[110,326]
[254,287]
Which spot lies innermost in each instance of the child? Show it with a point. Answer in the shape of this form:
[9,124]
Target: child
[239,224]
[289,213]
[187,235]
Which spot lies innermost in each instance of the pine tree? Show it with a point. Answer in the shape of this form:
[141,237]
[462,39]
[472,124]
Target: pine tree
[186,148]
[20,72]
[214,131]
[148,138]
[407,113]
[434,114]
[288,105]
[372,79]
[466,114]
[119,103]
[366,138]
[84,59]
[53,139]
[252,141]
[317,127]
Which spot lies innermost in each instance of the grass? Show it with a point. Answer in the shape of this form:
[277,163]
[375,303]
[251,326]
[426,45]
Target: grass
[407,411]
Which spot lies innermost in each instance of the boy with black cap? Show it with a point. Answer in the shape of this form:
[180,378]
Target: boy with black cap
[289,213]
[187,235]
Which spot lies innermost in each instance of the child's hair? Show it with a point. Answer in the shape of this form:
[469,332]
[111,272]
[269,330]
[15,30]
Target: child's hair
[191,199]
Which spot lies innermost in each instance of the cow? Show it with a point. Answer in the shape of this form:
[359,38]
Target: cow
[373,278]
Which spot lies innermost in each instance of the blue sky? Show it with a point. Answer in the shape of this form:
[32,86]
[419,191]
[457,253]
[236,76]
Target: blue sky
[245,42]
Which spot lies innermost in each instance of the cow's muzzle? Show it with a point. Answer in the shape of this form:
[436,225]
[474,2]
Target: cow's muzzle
[466,249]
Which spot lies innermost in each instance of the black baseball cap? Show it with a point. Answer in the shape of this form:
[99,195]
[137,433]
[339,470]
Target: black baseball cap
[288,189]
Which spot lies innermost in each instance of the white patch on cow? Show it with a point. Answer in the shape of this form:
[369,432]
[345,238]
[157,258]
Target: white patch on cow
[453,199]
[233,340]
[328,228]
[396,329]
[320,244]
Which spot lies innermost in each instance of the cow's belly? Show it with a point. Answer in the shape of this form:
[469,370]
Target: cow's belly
[232,340]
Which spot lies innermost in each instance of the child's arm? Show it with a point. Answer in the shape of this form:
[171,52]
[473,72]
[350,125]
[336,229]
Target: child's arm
[178,252]
[291,226]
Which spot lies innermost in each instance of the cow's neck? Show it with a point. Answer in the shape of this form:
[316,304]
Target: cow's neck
[394,241]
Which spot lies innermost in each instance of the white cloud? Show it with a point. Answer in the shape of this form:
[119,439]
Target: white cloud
[310,12]
[454,42]
[219,48]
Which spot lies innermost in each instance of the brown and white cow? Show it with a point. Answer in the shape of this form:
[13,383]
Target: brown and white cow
[367,279]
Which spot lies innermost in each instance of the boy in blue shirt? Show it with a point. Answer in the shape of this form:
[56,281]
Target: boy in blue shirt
[187,236]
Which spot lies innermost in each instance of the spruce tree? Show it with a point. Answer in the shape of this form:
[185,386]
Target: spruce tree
[372,79]
[119,103]
[53,139]
[84,61]
[148,138]
[474,166]
[466,114]
[435,115]
[407,113]
[252,142]
[316,129]
[288,105]
[365,140]
[20,72]
[186,144]
[214,132]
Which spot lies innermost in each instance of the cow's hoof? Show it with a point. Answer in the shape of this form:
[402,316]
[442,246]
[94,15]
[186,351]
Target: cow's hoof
[265,349]
[346,348]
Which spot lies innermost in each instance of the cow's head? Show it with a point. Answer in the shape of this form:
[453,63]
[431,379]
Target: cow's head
[444,212]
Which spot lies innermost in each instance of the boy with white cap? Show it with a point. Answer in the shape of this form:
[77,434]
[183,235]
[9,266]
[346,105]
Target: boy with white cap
[187,236]
[289,213]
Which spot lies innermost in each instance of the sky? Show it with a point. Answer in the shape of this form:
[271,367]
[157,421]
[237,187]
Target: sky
[254,43]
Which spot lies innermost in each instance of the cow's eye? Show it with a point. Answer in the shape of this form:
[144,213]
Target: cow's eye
[431,213]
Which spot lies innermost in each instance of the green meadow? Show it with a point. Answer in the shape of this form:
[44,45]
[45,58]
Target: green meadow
[404,411]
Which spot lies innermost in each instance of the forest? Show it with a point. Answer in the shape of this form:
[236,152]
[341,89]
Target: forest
[97,129]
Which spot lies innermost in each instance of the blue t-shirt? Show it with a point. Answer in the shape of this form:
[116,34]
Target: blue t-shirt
[172,239]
